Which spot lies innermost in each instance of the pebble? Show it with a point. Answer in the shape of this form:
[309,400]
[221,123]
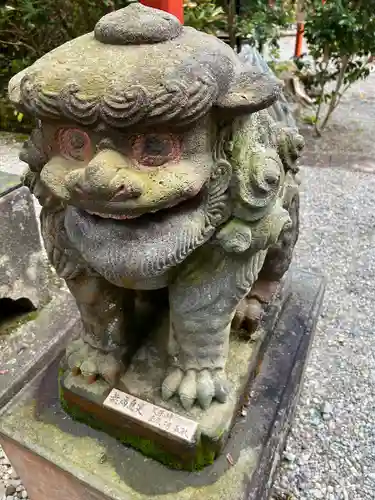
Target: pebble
[10,490]
[290,457]
[317,494]
[14,475]
[326,408]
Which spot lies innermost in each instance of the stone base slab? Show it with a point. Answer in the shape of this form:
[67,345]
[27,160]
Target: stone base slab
[47,447]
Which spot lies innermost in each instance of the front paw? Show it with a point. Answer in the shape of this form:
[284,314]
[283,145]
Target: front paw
[91,363]
[196,385]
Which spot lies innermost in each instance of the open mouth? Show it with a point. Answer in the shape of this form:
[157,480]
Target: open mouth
[143,248]
[171,208]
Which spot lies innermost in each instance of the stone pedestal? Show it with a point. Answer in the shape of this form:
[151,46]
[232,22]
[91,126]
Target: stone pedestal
[59,458]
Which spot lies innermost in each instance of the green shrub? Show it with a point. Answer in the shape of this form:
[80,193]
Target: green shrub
[340,37]
[258,22]
[204,15]
[261,21]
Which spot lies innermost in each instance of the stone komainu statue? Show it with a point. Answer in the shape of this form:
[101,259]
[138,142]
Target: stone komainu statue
[160,164]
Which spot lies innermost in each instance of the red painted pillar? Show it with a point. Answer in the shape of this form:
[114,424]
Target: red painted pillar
[175,7]
[300,27]
[299,39]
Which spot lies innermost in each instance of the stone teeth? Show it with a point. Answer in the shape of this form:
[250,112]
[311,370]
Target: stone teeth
[111,216]
[121,217]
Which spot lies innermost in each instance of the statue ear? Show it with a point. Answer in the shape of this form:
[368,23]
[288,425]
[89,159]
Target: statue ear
[250,91]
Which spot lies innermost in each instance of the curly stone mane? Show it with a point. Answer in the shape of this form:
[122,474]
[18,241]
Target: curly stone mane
[175,101]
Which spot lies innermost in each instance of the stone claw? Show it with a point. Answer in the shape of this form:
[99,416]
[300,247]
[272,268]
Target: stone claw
[251,308]
[196,386]
[92,363]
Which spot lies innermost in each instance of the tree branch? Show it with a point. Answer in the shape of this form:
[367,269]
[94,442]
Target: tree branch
[335,99]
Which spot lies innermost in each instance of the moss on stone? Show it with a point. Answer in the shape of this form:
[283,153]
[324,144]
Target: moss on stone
[204,456]
[10,326]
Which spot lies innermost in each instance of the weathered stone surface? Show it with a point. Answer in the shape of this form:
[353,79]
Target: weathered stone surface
[123,84]
[24,268]
[144,378]
[43,443]
[125,27]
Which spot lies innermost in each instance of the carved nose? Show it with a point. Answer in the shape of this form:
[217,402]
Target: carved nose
[124,193]
[82,189]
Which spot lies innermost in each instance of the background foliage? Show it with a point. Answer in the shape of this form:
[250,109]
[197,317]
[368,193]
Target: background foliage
[340,37]
[258,22]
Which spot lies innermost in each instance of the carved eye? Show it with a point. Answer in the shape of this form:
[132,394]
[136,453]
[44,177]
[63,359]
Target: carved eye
[153,150]
[74,144]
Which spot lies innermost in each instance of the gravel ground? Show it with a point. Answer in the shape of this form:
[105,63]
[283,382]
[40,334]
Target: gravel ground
[330,452]
[11,487]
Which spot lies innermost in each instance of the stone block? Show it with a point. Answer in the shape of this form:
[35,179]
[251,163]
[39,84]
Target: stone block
[37,314]
[35,342]
[24,269]
[43,442]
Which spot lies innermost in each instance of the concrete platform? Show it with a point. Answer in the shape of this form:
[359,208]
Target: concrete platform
[58,458]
